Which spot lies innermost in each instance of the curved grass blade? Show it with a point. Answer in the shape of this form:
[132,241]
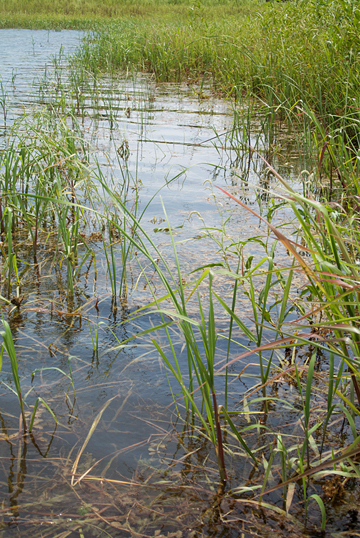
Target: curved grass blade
[8,344]
[40,400]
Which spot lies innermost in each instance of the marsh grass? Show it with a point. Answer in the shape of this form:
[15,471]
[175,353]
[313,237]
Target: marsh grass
[212,420]
[4,102]
[54,193]
[330,326]
[202,351]
[261,53]
[92,13]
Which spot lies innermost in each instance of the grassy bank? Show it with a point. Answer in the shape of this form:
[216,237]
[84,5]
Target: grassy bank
[282,52]
[87,14]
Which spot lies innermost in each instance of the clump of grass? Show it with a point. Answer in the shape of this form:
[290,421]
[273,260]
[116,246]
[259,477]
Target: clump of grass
[328,323]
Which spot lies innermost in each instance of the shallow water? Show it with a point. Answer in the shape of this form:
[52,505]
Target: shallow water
[174,140]
[23,57]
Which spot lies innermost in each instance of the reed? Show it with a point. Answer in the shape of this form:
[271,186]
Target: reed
[3,103]
[332,276]
[9,347]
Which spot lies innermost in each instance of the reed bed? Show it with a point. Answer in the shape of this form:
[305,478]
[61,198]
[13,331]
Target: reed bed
[262,52]
[298,348]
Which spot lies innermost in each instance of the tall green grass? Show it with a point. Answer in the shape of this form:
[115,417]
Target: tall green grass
[90,14]
[262,52]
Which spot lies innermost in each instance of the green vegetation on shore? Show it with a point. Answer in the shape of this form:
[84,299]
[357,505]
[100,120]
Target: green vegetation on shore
[299,59]
[270,51]
[90,14]
[284,52]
